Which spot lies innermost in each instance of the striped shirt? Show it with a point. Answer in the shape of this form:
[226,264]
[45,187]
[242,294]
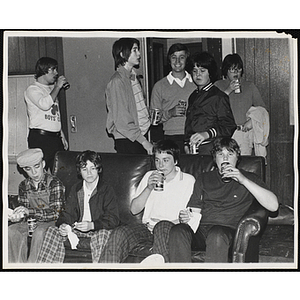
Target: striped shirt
[142,111]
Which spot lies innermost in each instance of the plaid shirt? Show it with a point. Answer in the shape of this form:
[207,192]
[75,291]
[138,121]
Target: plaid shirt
[45,202]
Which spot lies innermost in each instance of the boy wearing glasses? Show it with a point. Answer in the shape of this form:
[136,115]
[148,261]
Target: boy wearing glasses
[43,110]
[242,95]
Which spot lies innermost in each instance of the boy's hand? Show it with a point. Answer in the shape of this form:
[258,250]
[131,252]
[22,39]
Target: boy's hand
[63,229]
[184,216]
[21,210]
[84,226]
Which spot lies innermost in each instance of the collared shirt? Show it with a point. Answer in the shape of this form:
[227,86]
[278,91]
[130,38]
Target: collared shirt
[166,204]
[180,82]
[87,195]
[44,202]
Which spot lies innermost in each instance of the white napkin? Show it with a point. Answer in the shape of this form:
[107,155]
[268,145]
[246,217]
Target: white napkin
[73,238]
[195,217]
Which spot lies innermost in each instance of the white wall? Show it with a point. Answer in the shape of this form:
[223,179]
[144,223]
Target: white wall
[89,66]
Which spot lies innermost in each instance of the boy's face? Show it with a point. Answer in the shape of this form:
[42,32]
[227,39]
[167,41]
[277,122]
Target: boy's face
[178,61]
[89,173]
[200,76]
[51,76]
[36,172]
[226,156]
[164,162]
[135,56]
[234,73]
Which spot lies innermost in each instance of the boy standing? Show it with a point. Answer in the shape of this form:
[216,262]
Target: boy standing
[128,117]
[41,196]
[43,110]
[209,114]
[168,92]
[91,211]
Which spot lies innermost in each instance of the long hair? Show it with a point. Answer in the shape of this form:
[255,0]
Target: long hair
[124,46]
[43,65]
[207,61]
[92,156]
[232,61]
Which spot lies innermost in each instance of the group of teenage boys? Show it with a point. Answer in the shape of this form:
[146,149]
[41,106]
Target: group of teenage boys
[202,211]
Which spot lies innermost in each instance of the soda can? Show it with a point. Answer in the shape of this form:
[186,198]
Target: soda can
[225,179]
[238,90]
[194,149]
[160,184]
[183,103]
[66,86]
[155,116]
[31,226]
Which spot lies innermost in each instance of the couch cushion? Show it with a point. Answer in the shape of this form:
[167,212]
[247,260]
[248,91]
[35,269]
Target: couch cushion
[122,172]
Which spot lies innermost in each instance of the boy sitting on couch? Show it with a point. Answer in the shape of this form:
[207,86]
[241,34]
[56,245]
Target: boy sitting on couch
[160,207]
[41,196]
[91,211]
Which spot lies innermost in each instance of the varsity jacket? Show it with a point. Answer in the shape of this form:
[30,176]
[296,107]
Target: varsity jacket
[209,110]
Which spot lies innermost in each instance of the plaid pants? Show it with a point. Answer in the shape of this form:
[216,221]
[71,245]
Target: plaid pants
[125,238]
[53,249]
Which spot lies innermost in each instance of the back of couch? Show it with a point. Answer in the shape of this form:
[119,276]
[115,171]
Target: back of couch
[124,172]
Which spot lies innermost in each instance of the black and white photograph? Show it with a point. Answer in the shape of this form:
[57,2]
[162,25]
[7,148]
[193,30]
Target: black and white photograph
[150,150]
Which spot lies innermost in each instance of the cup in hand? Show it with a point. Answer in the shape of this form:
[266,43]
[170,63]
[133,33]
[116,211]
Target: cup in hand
[160,182]
[155,115]
[183,104]
[238,89]
[225,179]
[31,226]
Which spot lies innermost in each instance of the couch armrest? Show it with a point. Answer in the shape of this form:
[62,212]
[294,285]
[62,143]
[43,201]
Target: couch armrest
[245,246]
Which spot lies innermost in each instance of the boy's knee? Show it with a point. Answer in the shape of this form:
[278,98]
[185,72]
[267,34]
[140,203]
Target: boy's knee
[178,230]
[219,236]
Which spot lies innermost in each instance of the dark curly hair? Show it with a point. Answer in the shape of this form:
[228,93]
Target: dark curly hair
[92,156]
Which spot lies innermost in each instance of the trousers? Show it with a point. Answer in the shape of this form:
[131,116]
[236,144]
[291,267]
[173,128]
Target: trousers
[18,242]
[125,238]
[215,238]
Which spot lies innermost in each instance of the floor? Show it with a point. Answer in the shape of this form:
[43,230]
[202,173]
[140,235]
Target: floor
[277,244]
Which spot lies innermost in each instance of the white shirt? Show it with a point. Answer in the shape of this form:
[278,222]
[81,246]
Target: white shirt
[87,195]
[42,111]
[166,204]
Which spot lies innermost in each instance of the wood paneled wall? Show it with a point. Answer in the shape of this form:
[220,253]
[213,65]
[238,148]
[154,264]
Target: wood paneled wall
[267,64]
[23,53]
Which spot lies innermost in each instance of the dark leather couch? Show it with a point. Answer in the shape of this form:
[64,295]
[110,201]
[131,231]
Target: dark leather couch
[124,172]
